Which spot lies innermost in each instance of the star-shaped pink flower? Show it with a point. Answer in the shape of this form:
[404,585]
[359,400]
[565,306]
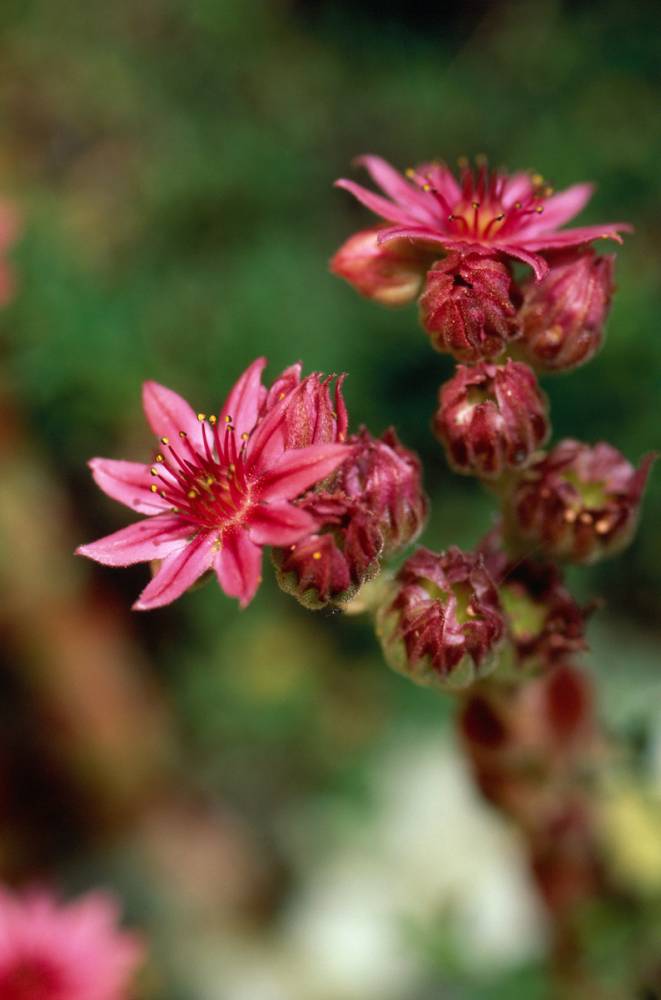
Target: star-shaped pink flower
[481,212]
[219,489]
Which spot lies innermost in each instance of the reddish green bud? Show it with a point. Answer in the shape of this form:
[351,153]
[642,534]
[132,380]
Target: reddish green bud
[578,503]
[442,624]
[491,418]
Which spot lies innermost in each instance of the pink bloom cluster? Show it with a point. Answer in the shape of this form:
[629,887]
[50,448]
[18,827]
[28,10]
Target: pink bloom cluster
[450,243]
[56,951]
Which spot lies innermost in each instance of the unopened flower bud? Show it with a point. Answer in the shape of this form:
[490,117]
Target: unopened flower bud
[467,308]
[545,623]
[441,624]
[374,506]
[388,478]
[390,273]
[578,503]
[491,418]
[563,315]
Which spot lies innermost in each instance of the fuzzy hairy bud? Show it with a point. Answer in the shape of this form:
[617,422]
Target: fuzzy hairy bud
[563,316]
[441,624]
[578,503]
[467,308]
[491,418]
[373,507]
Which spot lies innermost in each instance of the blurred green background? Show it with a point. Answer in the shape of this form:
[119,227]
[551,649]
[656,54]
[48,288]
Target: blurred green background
[172,161]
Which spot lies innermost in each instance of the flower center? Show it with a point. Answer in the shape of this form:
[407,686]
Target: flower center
[209,488]
[31,979]
[483,212]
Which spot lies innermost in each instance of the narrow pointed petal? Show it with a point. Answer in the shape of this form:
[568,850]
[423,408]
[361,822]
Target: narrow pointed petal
[238,566]
[380,206]
[537,263]
[168,413]
[244,400]
[574,237]
[299,469]
[178,572]
[517,188]
[271,434]
[154,538]
[128,482]
[560,208]
[411,198]
[421,234]
[279,523]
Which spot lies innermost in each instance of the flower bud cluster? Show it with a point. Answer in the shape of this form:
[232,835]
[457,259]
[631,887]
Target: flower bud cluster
[372,507]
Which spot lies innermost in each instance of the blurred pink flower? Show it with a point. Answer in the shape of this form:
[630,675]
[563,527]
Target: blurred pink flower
[55,951]
[223,491]
[483,212]
[9,230]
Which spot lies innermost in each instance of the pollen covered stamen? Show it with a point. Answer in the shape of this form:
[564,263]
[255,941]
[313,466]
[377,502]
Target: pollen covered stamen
[207,488]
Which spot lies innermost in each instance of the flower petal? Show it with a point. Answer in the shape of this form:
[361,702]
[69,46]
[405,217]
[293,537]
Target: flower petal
[380,206]
[518,187]
[301,468]
[178,572]
[238,567]
[560,208]
[168,413]
[154,538]
[574,237]
[279,523]
[245,399]
[128,482]
[411,198]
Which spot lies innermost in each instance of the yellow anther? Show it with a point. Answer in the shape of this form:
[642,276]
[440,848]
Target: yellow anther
[537,180]
[201,417]
[426,187]
[183,434]
[154,488]
[539,209]
[245,436]
[316,555]
[475,204]
[281,395]
[159,458]
[213,419]
[192,494]
[165,440]
[154,472]
[517,204]
[410,173]
[228,419]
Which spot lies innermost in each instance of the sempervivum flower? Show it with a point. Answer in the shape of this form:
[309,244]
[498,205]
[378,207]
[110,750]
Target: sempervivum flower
[373,507]
[545,623]
[442,624]
[563,315]
[55,951]
[491,418]
[466,307]
[391,274]
[220,489]
[484,211]
[579,502]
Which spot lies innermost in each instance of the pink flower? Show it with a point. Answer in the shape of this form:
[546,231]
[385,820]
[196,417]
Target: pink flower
[55,951]
[220,488]
[9,230]
[484,211]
